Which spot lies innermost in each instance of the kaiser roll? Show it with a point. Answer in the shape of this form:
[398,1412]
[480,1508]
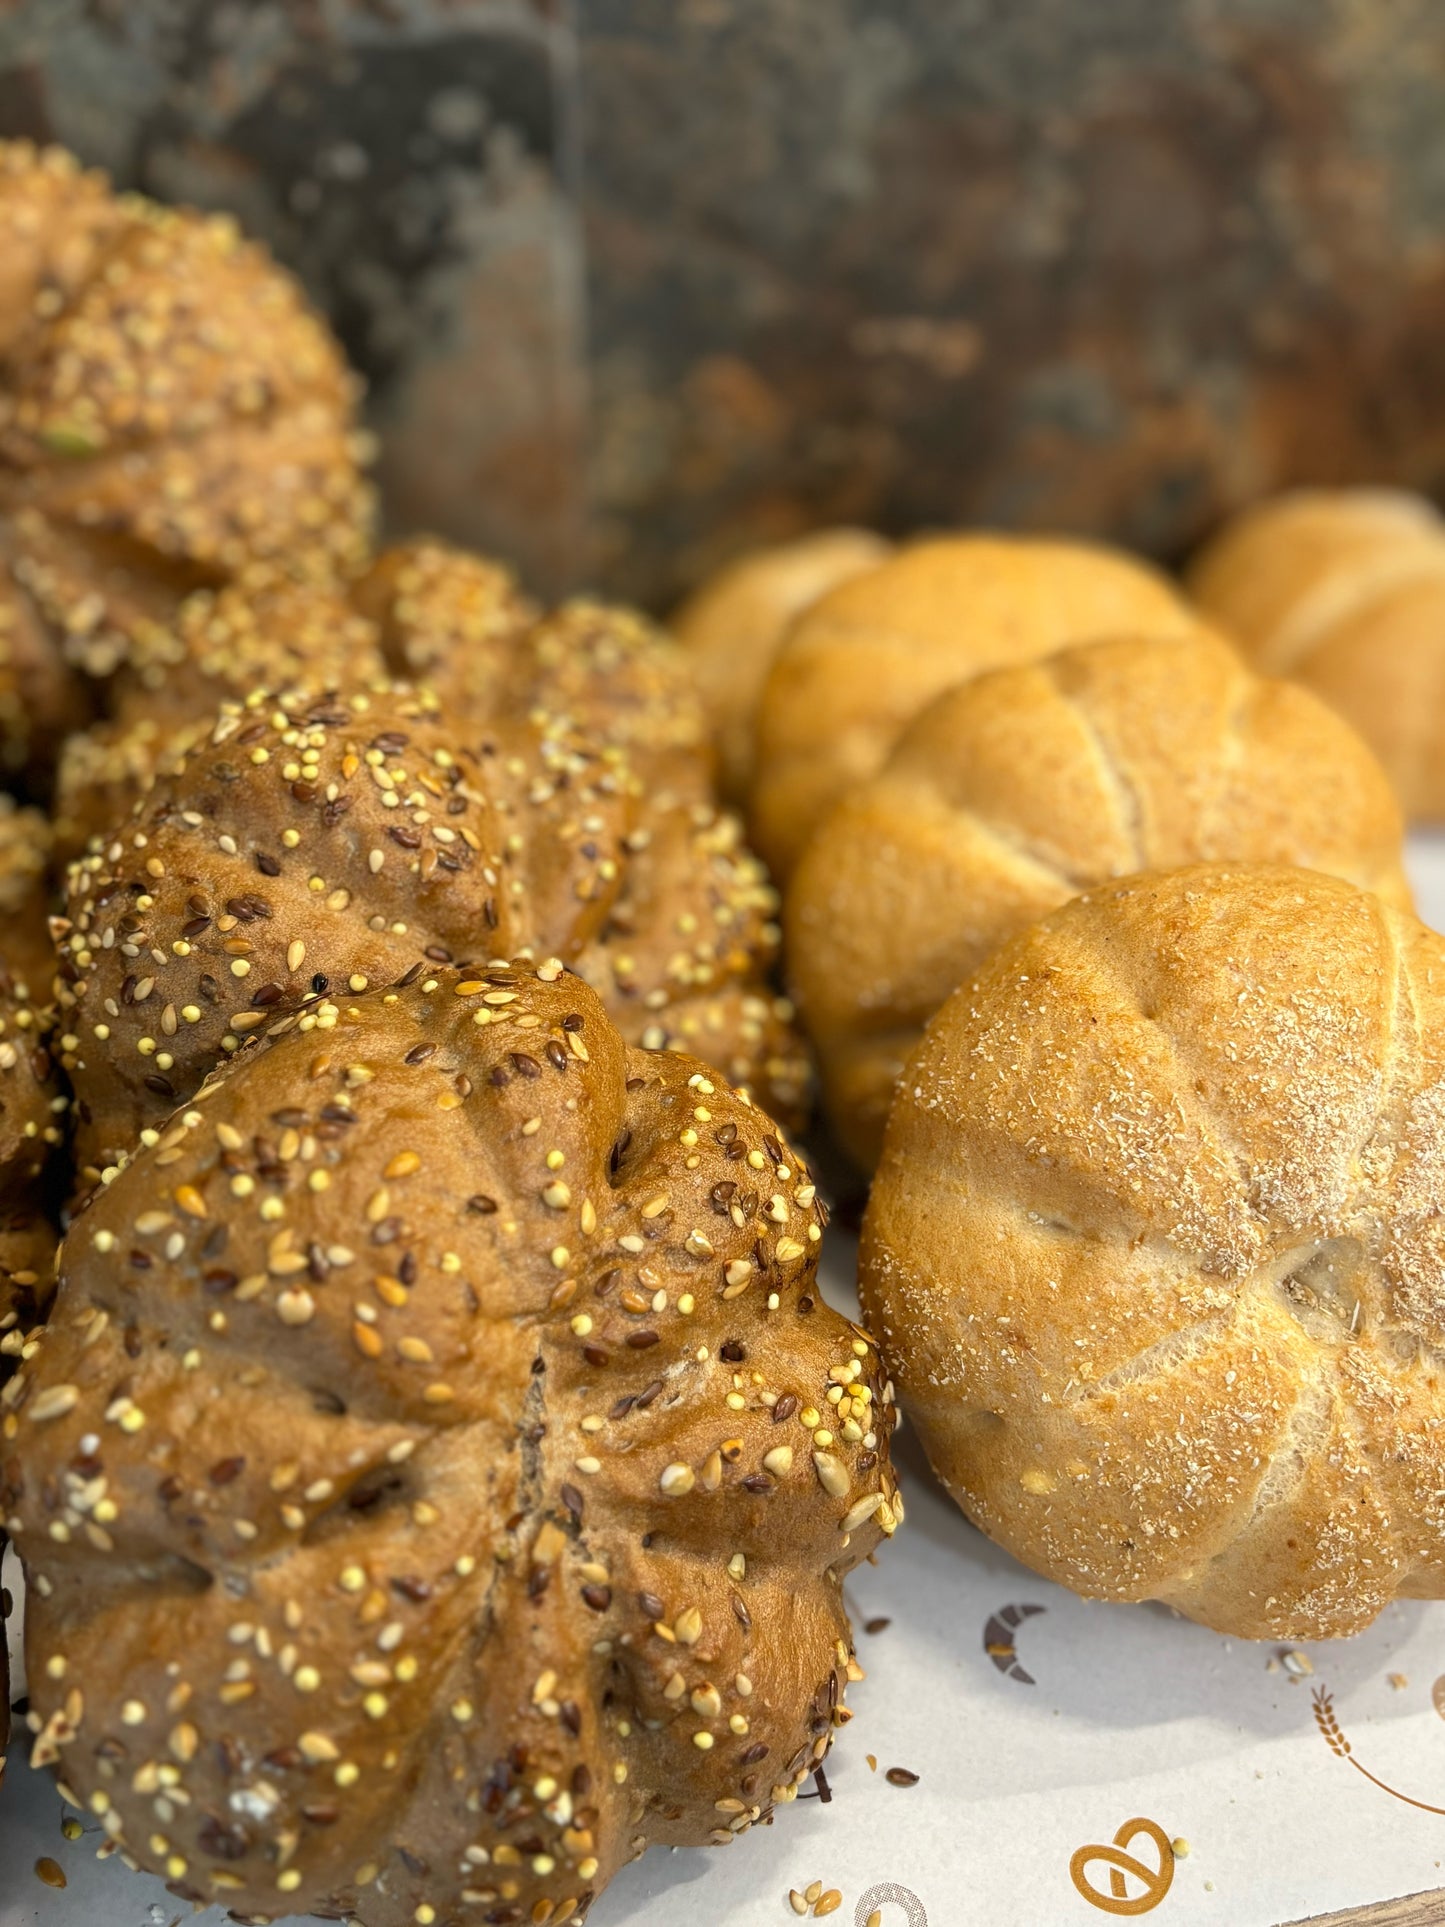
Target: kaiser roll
[459,623]
[856,667]
[1345,590]
[1156,1249]
[731,627]
[172,416]
[231,644]
[1010,794]
[314,847]
[415,1480]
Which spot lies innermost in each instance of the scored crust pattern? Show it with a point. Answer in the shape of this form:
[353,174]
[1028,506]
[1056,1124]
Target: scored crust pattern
[1156,1249]
[438,1473]
[325,844]
[1013,793]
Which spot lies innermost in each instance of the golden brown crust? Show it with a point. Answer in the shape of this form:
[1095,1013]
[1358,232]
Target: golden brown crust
[41,698]
[103,772]
[1345,590]
[172,416]
[221,645]
[621,678]
[31,1106]
[459,623]
[446,617]
[309,846]
[421,1470]
[732,625]
[682,957]
[1155,1248]
[1009,795]
[229,643]
[857,667]
[55,221]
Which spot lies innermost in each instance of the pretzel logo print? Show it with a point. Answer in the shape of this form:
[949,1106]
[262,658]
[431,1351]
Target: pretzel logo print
[1123,1867]
[889,1894]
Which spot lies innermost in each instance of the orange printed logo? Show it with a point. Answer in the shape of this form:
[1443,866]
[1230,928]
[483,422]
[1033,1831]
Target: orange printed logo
[1124,1868]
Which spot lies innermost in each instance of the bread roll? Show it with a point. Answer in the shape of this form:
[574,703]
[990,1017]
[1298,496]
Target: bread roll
[732,625]
[32,1107]
[221,645]
[1345,590]
[172,416]
[1011,793]
[32,1110]
[446,617]
[416,1480]
[459,623]
[1156,1249]
[317,846]
[857,667]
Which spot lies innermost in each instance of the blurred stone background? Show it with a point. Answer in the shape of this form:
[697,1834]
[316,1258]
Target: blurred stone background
[639,282]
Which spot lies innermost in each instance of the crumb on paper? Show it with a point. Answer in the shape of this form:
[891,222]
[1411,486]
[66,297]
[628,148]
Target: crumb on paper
[872,1759]
[1297,1664]
[1398,1680]
[1180,1848]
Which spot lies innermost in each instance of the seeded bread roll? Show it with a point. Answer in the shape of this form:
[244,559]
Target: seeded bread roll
[226,644]
[446,617]
[732,625]
[41,700]
[1155,1249]
[459,623]
[620,677]
[1345,590]
[31,1106]
[172,416]
[30,1111]
[856,668]
[1010,794]
[103,772]
[420,1474]
[311,848]
[680,960]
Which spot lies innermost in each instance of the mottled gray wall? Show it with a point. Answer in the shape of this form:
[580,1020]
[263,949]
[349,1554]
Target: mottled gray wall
[1100,264]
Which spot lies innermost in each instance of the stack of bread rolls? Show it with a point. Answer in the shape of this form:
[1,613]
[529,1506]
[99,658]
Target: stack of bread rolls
[1096,918]
[419,1475]
[432,1461]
